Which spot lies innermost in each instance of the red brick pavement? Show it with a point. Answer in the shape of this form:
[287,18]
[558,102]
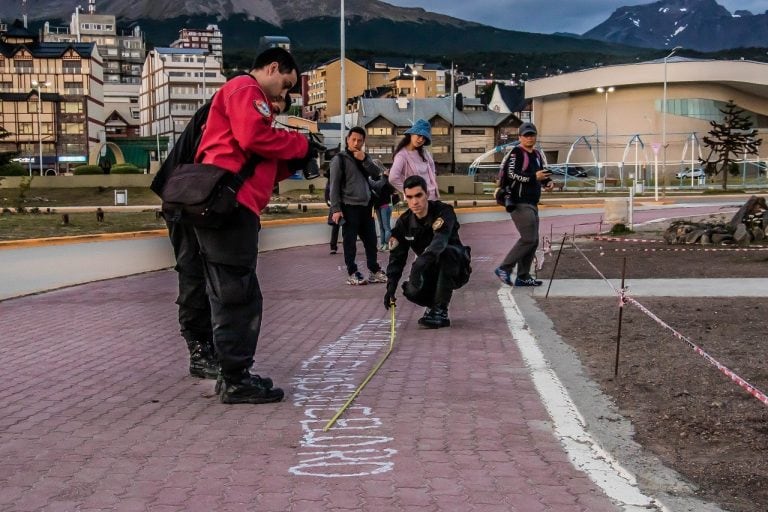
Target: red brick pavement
[98,412]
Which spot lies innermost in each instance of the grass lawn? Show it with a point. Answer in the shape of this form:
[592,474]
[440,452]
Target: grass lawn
[22,226]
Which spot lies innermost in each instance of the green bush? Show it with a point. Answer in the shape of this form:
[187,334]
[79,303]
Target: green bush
[13,169]
[83,170]
[126,169]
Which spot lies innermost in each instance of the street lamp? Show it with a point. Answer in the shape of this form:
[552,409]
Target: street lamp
[664,111]
[597,144]
[413,75]
[37,86]
[605,91]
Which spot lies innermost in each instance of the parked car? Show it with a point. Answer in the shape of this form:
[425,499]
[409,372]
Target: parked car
[686,173]
[576,171]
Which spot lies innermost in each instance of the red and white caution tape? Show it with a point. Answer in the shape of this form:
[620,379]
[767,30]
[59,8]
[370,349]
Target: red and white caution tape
[749,388]
[692,249]
[617,239]
[624,298]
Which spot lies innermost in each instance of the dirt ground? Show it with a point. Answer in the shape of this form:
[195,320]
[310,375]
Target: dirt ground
[685,410]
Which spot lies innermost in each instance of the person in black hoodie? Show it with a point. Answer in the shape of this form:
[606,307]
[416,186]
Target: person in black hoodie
[521,178]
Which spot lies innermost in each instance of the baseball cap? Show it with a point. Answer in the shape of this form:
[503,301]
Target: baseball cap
[527,128]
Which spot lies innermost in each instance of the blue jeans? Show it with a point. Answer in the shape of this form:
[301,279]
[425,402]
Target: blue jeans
[384,216]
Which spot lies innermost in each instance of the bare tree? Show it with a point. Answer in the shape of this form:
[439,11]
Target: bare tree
[729,141]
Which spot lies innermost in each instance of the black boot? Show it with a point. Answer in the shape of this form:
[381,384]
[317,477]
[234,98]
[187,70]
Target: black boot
[202,362]
[441,316]
[220,382]
[243,388]
[427,320]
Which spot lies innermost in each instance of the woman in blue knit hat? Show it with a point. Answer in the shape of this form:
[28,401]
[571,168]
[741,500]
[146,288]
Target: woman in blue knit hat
[411,159]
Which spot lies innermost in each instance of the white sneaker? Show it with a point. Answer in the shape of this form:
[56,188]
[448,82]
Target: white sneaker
[356,279]
[377,277]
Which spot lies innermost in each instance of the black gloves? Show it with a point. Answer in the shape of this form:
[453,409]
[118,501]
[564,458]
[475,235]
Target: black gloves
[308,164]
[389,298]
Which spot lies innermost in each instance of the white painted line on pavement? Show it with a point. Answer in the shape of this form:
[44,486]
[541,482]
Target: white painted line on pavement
[582,449]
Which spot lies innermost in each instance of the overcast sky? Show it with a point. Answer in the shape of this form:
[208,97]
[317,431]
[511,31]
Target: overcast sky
[547,16]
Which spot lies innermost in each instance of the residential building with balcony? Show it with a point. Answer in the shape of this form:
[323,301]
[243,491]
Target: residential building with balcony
[67,117]
[209,39]
[175,83]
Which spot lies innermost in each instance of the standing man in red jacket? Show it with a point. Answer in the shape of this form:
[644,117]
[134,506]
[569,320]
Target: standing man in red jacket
[238,128]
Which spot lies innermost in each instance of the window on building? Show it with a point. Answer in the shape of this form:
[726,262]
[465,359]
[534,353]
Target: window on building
[72,128]
[479,131]
[73,88]
[28,148]
[73,149]
[6,86]
[379,130]
[72,67]
[22,66]
[439,130]
[438,149]
[25,128]
[380,150]
[473,150]
[71,107]
[47,128]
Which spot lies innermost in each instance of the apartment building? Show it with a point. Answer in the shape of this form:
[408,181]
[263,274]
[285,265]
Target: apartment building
[51,100]
[322,88]
[174,84]
[209,39]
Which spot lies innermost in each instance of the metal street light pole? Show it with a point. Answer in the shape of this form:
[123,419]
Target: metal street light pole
[343,98]
[413,74]
[605,91]
[453,121]
[37,86]
[597,144]
[664,113]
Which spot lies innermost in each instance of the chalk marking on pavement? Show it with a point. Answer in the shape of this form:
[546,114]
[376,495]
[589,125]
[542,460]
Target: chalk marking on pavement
[357,444]
[569,425]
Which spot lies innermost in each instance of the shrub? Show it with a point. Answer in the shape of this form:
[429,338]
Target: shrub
[126,169]
[83,170]
[13,169]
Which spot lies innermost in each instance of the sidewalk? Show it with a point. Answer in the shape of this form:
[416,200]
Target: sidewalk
[99,413]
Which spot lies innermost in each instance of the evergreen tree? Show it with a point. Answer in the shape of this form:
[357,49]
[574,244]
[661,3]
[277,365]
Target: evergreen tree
[729,141]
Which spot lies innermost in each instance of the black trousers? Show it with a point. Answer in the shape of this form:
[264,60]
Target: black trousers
[194,308]
[229,257]
[434,287]
[358,221]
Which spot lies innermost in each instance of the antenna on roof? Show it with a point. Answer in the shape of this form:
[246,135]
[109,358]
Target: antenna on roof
[24,12]
[91,6]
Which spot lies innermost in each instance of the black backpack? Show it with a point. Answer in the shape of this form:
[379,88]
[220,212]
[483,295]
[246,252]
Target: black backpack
[185,149]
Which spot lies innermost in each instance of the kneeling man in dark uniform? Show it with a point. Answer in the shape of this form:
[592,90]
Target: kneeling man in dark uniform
[429,228]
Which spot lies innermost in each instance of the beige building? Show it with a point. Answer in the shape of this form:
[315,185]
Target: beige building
[323,84]
[620,110]
[51,100]
[209,39]
[323,87]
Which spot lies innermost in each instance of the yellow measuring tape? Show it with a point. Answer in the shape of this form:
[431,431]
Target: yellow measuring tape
[370,375]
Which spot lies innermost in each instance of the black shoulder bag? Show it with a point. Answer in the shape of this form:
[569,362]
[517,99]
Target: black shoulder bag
[204,195]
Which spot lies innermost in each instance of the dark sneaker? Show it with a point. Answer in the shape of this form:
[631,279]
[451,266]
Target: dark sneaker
[435,318]
[248,389]
[202,362]
[333,251]
[503,276]
[220,382]
[528,282]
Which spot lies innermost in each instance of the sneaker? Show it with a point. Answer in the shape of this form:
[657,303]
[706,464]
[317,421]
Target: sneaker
[528,282]
[377,277]
[435,318]
[503,276]
[333,251]
[202,362]
[245,388]
[356,279]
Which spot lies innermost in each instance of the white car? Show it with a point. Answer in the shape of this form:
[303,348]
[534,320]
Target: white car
[697,173]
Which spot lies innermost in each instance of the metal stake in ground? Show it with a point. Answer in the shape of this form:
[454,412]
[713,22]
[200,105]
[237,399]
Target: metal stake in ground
[621,312]
[370,375]
[552,277]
